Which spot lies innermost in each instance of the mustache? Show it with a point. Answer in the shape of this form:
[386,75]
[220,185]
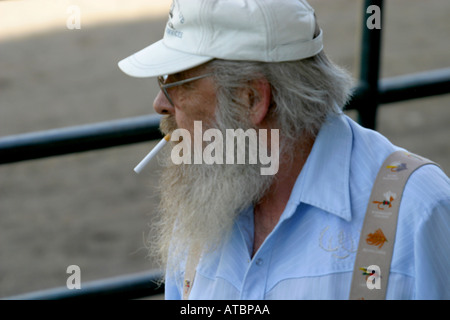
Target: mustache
[168,124]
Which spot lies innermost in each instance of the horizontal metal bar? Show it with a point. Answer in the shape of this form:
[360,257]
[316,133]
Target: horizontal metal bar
[132,286]
[402,88]
[415,86]
[75,139]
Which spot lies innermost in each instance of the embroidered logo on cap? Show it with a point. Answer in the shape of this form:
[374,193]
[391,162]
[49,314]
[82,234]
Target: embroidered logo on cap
[174,13]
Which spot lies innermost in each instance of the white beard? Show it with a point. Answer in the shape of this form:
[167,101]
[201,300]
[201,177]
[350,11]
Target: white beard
[199,204]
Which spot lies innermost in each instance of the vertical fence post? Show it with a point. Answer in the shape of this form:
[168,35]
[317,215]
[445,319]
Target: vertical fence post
[370,65]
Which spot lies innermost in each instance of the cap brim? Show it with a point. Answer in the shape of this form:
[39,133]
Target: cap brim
[158,59]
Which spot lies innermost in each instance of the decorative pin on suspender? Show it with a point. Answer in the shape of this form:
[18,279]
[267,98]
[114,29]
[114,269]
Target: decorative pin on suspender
[376,244]
[189,273]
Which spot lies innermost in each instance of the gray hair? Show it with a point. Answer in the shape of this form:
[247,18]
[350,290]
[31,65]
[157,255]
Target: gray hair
[304,92]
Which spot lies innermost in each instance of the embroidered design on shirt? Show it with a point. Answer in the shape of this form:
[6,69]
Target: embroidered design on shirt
[376,239]
[342,246]
[389,197]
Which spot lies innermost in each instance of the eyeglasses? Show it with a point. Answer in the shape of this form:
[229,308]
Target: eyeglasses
[164,86]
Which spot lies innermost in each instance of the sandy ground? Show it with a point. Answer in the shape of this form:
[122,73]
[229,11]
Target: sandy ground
[90,209]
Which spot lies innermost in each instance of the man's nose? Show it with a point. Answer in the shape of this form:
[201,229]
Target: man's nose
[162,105]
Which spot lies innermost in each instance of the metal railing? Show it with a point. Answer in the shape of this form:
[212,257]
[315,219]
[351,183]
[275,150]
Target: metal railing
[134,286]
[370,93]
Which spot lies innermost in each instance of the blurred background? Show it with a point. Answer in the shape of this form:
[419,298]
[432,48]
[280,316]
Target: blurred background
[90,209]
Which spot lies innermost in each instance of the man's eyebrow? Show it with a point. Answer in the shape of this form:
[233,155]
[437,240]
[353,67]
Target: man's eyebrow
[186,74]
[174,77]
[179,76]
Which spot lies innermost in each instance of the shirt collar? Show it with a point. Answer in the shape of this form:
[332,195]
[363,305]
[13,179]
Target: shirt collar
[324,179]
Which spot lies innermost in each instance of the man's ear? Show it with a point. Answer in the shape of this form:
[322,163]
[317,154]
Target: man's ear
[259,101]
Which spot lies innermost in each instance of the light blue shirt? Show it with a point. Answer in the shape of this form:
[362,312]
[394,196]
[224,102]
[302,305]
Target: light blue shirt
[310,253]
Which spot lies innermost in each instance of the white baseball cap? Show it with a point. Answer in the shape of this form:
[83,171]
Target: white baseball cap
[200,30]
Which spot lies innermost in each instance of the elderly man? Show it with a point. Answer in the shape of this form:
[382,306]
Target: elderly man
[226,231]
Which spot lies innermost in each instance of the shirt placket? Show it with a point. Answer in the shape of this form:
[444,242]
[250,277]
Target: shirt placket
[255,279]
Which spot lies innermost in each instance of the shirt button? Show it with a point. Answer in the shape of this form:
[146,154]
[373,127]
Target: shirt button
[259,262]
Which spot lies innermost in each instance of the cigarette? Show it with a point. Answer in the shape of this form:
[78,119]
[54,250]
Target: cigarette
[152,154]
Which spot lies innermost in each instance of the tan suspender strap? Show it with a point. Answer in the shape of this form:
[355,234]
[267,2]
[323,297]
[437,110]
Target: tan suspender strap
[189,274]
[376,243]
